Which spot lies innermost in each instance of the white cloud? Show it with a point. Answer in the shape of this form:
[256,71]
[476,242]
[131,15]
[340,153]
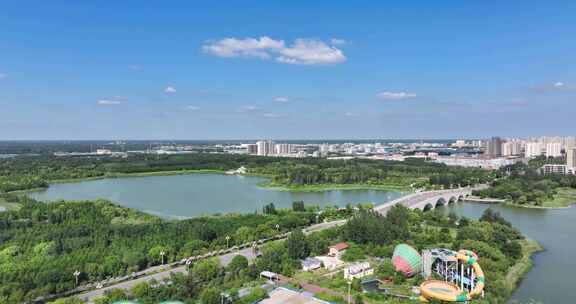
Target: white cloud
[2,76]
[192,108]
[108,102]
[558,84]
[337,41]
[135,67]
[271,115]
[349,114]
[281,99]
[302,51]
[396,95]
[170,90]
[248,108]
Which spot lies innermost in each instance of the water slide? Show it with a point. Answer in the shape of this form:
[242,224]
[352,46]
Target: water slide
[449,292]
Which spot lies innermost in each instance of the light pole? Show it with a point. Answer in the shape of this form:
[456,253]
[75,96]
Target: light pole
[349,287]
[162,253]
[278,227]
[227,240]
[76,274]
[188,263]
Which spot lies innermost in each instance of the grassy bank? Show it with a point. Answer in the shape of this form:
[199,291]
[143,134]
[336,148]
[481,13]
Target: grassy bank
[564,198]
[326,187]
[8,206]
[524,264]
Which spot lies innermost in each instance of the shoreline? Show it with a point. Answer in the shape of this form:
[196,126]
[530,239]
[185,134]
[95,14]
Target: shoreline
[538,207]
[332,187]
[522,267]
[565,198]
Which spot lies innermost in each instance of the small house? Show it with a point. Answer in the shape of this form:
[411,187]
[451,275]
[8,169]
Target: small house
[337,250]
[310,264]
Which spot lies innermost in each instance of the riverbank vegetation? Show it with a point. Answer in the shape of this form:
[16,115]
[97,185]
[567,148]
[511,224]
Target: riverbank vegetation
[522,185]
[502,250]
[31,172]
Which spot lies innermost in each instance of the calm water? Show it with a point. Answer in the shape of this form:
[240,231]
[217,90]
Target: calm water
[191,195]
[550,280]
[197,194]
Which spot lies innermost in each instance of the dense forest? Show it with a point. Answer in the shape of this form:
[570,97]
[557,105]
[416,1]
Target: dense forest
[28,172]
[41,245]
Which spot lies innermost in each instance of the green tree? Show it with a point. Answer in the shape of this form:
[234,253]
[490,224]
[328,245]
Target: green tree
[210,295]
[141,290]
[297,245]
[298,206]
[206,270]
[238,264]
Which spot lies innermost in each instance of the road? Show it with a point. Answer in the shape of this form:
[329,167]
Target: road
[159,276]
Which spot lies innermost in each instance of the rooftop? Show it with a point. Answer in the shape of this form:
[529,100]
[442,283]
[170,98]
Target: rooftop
[339,246]
[287,296]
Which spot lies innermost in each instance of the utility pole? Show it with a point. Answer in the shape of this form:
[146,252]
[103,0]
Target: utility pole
[227,241]
[349,290]
[162,253]
[76,274]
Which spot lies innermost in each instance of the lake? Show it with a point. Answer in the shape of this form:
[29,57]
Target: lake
[192,195]
[197,194]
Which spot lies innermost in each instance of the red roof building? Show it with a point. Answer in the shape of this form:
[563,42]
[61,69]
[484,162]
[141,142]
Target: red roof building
[337,249]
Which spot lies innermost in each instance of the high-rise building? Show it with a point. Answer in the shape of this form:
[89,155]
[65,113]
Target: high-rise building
[569,142]
[252,148]
[265,147]
[571,158]
[533,149]
[511,148]
[282,149]
[553,149]
[494,147]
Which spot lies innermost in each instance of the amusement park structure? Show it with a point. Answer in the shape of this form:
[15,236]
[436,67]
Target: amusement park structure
[450,276]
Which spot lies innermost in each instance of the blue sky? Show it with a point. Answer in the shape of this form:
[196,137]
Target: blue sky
[286,69]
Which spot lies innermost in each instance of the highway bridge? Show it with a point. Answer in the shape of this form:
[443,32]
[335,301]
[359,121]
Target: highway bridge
[427,200]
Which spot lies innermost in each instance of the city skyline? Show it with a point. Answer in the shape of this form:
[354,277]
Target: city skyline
[302,70]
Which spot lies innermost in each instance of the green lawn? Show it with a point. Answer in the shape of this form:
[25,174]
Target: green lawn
[9,206]
[564,198]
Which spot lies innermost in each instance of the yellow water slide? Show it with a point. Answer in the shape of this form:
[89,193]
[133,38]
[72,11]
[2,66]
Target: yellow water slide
[449,292]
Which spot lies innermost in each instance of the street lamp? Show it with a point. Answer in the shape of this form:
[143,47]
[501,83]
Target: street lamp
[188,263]
[162,253]
[349,287]
[278,227]
[76,274]
[227,240]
